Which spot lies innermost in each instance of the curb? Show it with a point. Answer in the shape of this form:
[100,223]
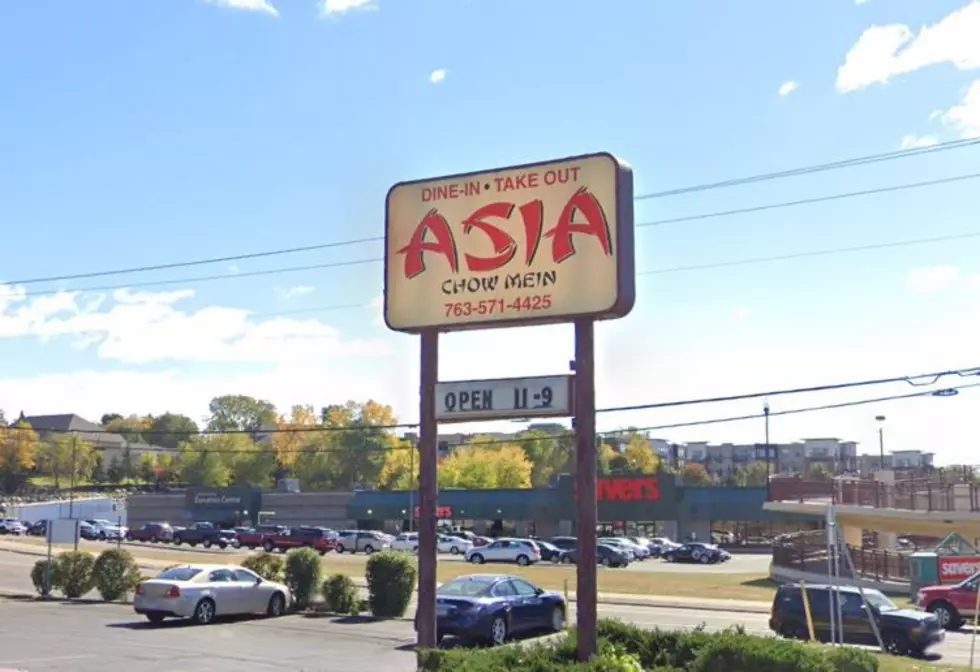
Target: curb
[663,602]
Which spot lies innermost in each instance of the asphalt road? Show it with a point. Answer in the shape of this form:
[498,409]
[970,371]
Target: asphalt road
[739,564]
[58,636]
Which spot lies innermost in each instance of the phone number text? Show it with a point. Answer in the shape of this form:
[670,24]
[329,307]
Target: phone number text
[522,304]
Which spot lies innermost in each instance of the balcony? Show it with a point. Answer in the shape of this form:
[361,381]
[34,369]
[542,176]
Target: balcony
[910,495]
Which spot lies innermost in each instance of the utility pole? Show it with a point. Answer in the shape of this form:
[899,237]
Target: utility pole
[411,488]
[71,490]
[881,439]
[765,412]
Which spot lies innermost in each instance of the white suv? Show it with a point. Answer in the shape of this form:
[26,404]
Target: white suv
[521,551]
[12,526]
[409,541]
[454,545]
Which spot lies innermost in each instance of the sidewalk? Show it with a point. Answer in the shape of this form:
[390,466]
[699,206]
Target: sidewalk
[611,599]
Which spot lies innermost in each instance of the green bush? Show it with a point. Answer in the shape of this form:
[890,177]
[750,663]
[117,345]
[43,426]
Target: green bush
[340,595]
[115,574]
[304,574]
[627,648]
[73,573]
[270,567]
[42,580]
[391,582]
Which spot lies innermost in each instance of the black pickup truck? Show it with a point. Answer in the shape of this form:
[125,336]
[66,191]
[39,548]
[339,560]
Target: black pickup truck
[205,534]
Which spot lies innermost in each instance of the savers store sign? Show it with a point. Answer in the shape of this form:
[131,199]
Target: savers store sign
[533,244]
[953,569]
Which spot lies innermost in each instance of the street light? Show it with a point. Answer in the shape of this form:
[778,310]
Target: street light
[765,412]
[881,439]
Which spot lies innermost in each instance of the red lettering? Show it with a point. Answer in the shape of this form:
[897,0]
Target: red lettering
[582,215]
[444,244]
[651,487]
[441,511]
[595,225]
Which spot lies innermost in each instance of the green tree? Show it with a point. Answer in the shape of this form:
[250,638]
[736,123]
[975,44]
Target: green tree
[98,474]
[114,474]
[487,466]
[549,455]
[753,473]
[147,470]
[237,412]
[109,417]
[170,429]
[201,465]
[65,457]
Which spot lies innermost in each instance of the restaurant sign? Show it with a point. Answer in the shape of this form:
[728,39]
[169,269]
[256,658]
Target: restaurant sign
[626,489]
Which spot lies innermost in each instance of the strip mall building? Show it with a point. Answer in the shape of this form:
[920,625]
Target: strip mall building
[631,503]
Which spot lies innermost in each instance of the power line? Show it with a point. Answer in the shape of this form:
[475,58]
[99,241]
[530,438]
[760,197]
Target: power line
[808,170]
[875,158]
[918,380]
[567,434]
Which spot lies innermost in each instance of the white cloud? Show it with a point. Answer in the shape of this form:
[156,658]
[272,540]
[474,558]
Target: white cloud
[932,279]
[264,6]
[145,327]
[912,141]
[965,116]
[437,76]
[788,88]
[343,6]
[883,52]
[293,292]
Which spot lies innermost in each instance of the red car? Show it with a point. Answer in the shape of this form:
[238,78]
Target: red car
[951,604]
[318,538]
[255,537]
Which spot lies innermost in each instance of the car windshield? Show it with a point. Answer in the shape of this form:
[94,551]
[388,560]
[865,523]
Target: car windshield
[466,587]
[879,601]
[179,573]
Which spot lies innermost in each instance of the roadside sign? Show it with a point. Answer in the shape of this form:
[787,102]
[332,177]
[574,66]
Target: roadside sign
[536,244]
[473,400]
[62,531]
[953,569]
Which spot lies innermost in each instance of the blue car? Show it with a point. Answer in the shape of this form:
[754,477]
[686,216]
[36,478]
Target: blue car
[490,608]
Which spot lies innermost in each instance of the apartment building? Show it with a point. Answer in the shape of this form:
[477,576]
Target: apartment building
[724,459]
[906,460]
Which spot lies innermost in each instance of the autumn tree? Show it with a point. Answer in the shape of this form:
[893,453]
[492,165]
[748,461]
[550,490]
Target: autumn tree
[695,474]
[132,428]
[170,429]
[292,434]
[640,455]
[238,412]
[358,438]
[401,468]
[65,457]
[549,454]
[484,465]
[18,453]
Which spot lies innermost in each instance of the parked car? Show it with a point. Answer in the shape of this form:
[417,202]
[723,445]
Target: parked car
[564,543]
[638,552]
[38,528]
[12,526]
[520,551]
[452,544]
[607,556]
[352,541]
[151,532]
[696,552]
[549,552]
[408,541]
[205,534]
[904,632]
[951,604]
[321,539]
[491,608]
[659,545]
[620,544]
[105,529]
[254,537]
[201,592]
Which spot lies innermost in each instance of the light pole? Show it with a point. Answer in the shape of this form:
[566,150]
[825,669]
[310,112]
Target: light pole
[411,487]
[881,439]
[765,412]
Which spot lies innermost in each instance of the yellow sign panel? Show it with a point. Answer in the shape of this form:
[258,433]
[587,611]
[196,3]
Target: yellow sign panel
[535,244]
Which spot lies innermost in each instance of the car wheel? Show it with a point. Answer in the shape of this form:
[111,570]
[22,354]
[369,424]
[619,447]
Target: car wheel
[277,605]
[369,549]
[177,541]
[204,611]
[102,536]
[477,559]
[206,543]
[454,550]
[222,545]
[268,546]
[555,559]
[896,643]
[704,559]
[155,619]
[340,548]
[498,631]
[566,560]
[251,547]
[523,560]
[606,562]
[791,631]
[669,558]
[129,536]
[949,618]
[153,539]
[557,619]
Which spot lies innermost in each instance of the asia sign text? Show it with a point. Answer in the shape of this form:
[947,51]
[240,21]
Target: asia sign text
[534,244]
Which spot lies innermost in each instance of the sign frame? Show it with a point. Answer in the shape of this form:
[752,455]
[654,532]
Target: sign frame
[964,561]
[477,416]
[622,241]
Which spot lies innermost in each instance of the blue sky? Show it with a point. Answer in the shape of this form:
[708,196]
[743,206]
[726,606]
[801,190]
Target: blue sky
[140,133]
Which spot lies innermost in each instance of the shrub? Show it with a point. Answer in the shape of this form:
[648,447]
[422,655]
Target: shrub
[340,595]
[115,574]
[73,573]
[304,574]
[42,575]
[391,582]
[270,567]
